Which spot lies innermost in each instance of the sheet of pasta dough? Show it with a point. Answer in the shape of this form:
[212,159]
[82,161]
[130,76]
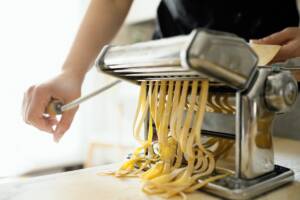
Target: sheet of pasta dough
[265,52]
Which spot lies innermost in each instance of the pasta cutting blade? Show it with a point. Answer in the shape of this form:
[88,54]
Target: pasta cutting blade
[204,54]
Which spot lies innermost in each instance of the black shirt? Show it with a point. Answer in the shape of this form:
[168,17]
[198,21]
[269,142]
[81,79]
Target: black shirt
[249,19]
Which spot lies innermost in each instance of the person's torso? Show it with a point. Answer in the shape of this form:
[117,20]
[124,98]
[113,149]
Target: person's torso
[249,19]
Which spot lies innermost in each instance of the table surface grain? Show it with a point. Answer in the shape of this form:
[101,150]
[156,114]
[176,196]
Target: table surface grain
[86,184]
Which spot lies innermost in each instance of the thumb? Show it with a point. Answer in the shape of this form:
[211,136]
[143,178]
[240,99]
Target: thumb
[64,124]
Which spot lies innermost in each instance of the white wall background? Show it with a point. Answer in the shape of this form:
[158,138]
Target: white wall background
[35,36]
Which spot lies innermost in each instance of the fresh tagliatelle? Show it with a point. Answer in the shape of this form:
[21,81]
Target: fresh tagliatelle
[174,159]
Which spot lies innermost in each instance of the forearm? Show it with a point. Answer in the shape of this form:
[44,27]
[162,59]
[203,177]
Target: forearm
[100,24]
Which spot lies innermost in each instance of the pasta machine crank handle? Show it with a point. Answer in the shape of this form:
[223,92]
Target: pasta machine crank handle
[56,107]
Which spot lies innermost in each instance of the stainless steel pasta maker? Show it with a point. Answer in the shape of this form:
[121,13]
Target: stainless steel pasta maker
[258,92]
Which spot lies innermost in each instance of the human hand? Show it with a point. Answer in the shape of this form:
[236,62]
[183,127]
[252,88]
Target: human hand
[64,87]
[288,38]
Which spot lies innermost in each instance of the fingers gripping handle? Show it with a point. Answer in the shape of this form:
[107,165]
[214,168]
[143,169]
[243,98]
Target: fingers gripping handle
[54,107]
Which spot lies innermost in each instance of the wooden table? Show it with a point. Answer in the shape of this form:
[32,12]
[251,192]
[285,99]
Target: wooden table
[86,184]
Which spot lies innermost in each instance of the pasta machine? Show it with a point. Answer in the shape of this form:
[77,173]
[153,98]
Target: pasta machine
[231,66]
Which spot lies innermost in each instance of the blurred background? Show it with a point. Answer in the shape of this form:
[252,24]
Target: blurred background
[35,36]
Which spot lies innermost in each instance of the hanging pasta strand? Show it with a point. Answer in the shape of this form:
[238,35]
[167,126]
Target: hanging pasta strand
[179,161]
